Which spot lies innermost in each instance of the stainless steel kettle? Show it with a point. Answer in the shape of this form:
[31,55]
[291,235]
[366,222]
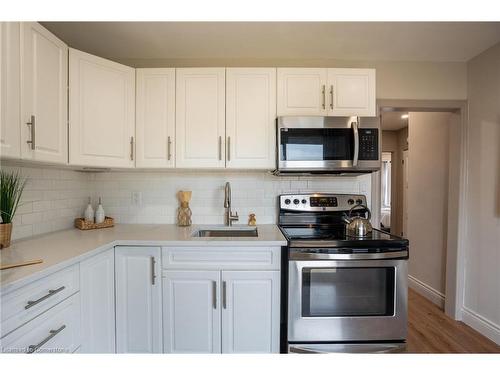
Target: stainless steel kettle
[358,226]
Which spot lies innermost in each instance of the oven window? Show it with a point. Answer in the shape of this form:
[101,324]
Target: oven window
[332,292]
[316,144]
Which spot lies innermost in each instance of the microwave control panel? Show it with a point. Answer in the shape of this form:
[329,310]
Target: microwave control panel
[368,144]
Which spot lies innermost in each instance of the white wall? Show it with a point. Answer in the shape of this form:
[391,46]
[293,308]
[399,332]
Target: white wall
[51,200]
[252,192]
[428,171]
[482,263]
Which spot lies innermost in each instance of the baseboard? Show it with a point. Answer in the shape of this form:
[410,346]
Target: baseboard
[481,324]
[427,291]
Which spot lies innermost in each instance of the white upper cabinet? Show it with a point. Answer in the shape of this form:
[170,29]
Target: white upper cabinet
[302,91]
[250,311]
[10,122]
[351,92]
[326,92]
[102,112]
[191,312]
[138,300]
[251,118]
[44,97]
[155,118]
[200,118]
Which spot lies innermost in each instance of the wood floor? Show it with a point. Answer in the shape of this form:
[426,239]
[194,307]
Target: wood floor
[431,331]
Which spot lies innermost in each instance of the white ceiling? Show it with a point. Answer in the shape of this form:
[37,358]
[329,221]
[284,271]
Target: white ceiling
[400,41]
[393,121]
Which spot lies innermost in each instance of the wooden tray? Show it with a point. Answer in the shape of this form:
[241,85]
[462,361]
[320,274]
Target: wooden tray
[82,224]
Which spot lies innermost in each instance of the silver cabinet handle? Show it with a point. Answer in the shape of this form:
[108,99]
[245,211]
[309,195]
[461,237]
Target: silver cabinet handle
[52,334]
[153,275]
[131,148]
[169,152]
[214,294]
[228,148]
[220,148]
[50,294]
[323,93]
[31,125]
[331,97]
[224,294]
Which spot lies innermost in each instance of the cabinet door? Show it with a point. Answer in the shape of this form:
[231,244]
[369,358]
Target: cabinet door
[301,91]
[44,77]
[251,118]
[155,118]
[200,117]
[191,312]
[250,311]
[138,300]
[10,131]
[102,111]
[97,289]
[351,92]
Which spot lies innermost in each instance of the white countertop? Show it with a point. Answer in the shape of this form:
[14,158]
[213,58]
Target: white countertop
[63,248]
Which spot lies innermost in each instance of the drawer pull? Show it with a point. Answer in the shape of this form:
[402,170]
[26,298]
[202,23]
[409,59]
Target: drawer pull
[50,294]
[52,334]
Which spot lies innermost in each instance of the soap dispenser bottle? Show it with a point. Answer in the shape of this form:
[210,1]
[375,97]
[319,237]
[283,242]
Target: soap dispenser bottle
[89,212]
[99,213]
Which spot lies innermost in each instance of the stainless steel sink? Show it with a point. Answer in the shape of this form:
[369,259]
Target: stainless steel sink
[224,232]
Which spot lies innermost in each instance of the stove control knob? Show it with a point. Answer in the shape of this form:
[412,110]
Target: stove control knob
[304,201]
[350,201]
[359,201]
[296,201]
[287,201]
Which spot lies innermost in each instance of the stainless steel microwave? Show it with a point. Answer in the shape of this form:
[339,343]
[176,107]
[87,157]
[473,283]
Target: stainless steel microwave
[328,144]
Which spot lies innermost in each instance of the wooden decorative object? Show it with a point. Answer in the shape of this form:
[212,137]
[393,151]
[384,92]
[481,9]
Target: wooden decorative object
[83,224]
[5,235]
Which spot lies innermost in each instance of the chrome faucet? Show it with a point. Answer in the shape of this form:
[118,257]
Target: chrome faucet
[228,216]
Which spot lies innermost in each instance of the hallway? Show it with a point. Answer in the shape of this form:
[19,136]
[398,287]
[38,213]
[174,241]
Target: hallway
[431,331]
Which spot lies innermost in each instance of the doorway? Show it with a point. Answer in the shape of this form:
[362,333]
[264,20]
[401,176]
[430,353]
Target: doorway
[417,208]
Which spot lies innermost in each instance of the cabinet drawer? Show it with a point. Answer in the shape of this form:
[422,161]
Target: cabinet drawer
[24,304]
[55,331]
[234,258]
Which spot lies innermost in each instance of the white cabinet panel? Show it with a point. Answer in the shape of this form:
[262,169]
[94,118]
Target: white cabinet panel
[351,92]
[251,312]
[10,121]
[102,111]
[200,117]
[138,300]
[97,290]
[155,114]
[191,311]
[302,91]
[251,118]
[58,330]
[44,68]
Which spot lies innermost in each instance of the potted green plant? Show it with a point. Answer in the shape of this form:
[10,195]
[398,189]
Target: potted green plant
[11,188]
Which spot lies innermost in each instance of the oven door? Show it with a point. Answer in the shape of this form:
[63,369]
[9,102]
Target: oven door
[347,300]
[309,144]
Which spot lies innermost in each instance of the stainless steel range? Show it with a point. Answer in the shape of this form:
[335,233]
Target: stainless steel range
[345,294]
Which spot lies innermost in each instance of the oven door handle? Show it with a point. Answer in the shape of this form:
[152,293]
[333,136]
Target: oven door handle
[355,131]
[403,254]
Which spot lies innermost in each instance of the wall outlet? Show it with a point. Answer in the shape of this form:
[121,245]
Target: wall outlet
[136,198]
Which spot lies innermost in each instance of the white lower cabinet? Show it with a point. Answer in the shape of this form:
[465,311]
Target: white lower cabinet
[97,290]
[250,311]
[212,308]
[138,299]
[191,312]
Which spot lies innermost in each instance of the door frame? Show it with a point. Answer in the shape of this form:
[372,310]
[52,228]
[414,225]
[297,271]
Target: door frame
[457,235]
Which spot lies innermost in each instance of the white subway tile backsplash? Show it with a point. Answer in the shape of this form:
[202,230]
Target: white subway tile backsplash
[54,197]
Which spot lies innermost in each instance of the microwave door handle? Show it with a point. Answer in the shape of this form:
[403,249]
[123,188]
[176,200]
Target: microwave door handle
[354,126]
